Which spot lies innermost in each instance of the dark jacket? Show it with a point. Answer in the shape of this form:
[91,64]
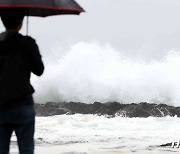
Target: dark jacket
[19,56]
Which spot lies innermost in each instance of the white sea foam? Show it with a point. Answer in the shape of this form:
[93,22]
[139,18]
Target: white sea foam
[91,72]
[119,134]
[90,134]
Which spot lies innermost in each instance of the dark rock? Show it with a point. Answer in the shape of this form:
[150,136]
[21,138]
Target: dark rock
[50,109]
[166,145]
[110,109]
[137,110]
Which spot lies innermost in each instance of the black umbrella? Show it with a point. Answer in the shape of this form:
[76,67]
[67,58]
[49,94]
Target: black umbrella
[43,8]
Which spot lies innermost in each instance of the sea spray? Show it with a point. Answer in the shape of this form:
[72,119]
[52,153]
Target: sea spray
[91,72]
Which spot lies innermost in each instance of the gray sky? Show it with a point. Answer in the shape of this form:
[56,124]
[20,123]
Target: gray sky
[133,27]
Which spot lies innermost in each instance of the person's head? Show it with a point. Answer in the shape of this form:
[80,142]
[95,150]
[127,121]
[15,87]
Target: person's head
[12,18]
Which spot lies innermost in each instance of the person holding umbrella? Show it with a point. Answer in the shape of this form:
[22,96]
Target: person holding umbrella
[19,57]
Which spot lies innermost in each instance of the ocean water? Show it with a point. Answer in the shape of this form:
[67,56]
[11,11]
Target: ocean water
[91,134]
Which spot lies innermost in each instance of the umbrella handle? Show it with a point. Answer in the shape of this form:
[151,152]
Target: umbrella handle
[27,25]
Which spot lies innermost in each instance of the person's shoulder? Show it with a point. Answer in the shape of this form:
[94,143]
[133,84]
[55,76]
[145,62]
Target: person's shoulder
[27,39]
[27,42]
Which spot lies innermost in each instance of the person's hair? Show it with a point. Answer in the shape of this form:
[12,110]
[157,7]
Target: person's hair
[12,18]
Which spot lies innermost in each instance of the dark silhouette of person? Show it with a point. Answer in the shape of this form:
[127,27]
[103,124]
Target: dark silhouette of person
[19,57]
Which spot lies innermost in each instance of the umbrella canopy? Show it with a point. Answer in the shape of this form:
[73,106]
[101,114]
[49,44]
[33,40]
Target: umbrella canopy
[43,8]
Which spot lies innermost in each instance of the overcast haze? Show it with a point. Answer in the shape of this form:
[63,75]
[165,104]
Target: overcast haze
[131,26]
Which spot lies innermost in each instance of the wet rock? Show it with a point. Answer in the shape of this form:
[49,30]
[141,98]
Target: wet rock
[49,109]
[166,145]
[110,109]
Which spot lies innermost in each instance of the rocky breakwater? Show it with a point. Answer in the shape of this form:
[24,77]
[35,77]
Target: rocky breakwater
[110,109]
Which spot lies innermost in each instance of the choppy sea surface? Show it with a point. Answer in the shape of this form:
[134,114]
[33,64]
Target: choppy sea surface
[91,134]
